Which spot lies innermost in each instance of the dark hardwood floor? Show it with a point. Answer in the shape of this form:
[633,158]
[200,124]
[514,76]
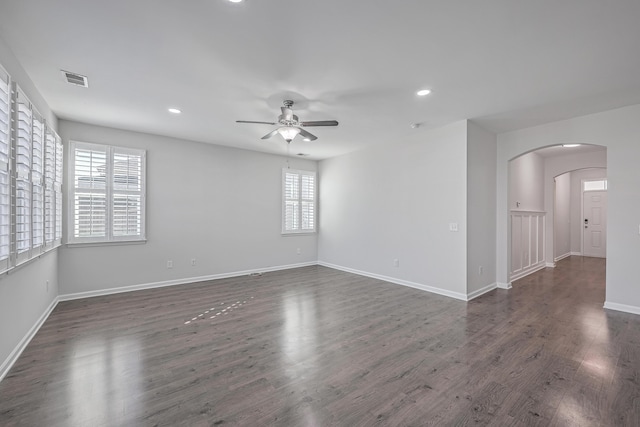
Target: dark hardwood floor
[316,346]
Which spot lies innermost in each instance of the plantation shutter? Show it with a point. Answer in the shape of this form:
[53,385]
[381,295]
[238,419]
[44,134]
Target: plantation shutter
[23,157]
[49,178]
[90,192]
[5,171]
[127,192]
[108,193]
[299,205]
[307,202]
[37,180]
[57,188]
[292,201]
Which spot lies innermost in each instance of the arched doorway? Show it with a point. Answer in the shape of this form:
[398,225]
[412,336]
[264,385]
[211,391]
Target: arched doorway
[530,217]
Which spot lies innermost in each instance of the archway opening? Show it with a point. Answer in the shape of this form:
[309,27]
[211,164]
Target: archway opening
[545,212]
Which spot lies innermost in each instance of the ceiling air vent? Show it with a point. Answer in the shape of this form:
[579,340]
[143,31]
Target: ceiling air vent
[76,79]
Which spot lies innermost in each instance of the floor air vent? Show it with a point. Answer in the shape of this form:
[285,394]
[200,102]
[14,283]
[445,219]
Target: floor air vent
[76,79]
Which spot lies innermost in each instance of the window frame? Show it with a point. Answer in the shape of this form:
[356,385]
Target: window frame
[109,192]
[22,176]
[300,173]
[6,164]
[604,182]
[22,255]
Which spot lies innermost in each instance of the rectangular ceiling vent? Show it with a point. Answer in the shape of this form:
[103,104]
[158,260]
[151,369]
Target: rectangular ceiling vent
[76,79]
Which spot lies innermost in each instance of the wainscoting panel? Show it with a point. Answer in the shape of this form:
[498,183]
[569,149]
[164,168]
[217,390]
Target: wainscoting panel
[527,242]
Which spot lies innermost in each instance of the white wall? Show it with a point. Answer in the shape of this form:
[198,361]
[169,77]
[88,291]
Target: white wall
[526,183]
[562,216]
[23,292]
[219,205]
[481,208]
[396,202]
[576,203]
[619,131]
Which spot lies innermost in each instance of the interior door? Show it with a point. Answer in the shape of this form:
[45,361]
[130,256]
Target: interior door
[595,223]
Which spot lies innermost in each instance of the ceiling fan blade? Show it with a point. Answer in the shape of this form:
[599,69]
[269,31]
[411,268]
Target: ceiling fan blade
[270,134]
[260,123]
[307,135]
[320,123]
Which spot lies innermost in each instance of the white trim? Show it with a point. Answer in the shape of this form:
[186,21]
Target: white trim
[524,211]
[528,272]
[622,307]
[576,253]
[17,351]
[432,289]
[482,291]
[504,285]
[299,173]
[109,192]
[529,261]
[184,281]
[548,265]
[558,258]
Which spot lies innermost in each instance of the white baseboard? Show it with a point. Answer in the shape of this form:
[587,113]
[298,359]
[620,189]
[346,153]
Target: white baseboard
[563,256]
[504,285]
[547,265]
[622,307]
[132,288]
[576,253]
[530,271]
[481,291]
[17,351]
[432,289]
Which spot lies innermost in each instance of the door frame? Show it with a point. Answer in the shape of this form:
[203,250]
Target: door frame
[582,191]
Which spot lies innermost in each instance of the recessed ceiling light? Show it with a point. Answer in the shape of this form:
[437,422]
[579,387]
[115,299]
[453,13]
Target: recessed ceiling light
[570,145]
[235,1]
[174,111]
[423,92]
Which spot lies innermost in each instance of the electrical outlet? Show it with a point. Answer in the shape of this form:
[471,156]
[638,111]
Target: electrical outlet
[169,264]
[298,251]
[453,226]
[396,262]
[47,286]
[193,262]
[480,270]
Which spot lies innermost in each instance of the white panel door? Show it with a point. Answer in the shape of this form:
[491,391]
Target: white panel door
[595,223]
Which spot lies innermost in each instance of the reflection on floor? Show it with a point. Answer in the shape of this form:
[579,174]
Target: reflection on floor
[316,346]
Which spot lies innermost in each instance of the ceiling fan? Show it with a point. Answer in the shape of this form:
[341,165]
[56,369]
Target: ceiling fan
[290,125]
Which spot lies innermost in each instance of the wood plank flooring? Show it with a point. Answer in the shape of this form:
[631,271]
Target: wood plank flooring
[320,347]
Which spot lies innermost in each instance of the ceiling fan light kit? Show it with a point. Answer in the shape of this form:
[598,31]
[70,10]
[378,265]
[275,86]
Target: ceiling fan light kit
[290,125]
[288,132]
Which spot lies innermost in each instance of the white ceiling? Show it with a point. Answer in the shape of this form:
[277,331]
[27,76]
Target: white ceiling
[559,150]
[505,64]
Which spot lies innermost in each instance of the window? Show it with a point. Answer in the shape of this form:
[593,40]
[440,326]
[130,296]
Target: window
[37,181]
[298,201]
[107,193]
[595,185]
[5,171]
[23,159]
[27,194]
[57,188]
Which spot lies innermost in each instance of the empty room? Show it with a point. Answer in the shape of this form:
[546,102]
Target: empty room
[256,213]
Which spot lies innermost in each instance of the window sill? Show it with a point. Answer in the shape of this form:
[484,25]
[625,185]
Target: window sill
[304,233]
[113,243]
